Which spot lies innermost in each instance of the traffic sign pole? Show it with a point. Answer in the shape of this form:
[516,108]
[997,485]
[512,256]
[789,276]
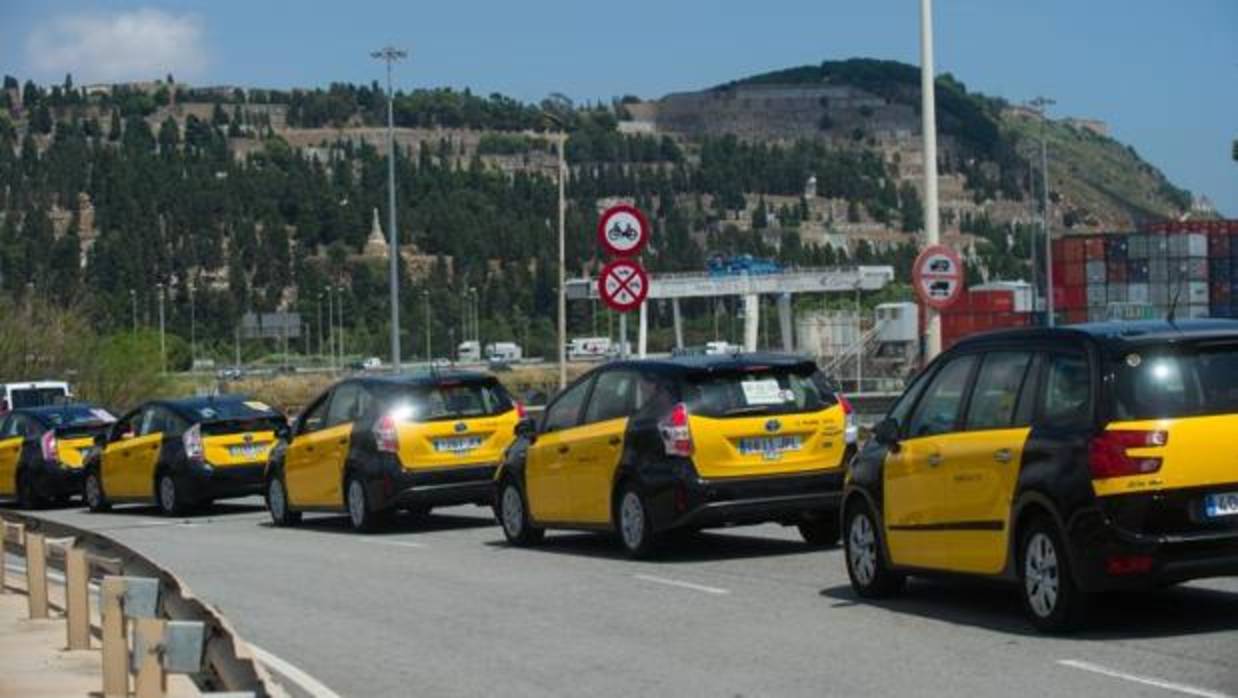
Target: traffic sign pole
[623,285]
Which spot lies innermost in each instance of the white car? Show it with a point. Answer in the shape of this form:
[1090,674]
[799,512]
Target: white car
[33,394]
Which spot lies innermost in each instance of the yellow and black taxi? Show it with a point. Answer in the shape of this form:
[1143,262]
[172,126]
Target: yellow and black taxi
[373,445]
[42,450]
[646,446]
[183,453]
[1071,460]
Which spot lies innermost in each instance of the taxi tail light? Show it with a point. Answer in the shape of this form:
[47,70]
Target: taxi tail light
[1128,564]
[386,435]
[676,434]
[521,412]
[1108,457]
[848,410]
[49,446]
[193,443]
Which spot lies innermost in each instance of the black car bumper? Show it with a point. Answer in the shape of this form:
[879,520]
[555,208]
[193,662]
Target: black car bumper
[471,484]
[57,481]
[693,502]
[205,482]
[1108,557]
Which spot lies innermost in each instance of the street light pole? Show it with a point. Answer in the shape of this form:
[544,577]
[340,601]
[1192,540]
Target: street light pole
[562,268]
[1041,104]
[193,331]
[928,125]
[339,320]
[426,296]
[390,55]
[163,345]
[320,325]
[331,329]
[133,301]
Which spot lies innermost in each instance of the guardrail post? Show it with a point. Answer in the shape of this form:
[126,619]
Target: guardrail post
[151,681]
[77,599]
[115,671]
[18,537]
[36,575]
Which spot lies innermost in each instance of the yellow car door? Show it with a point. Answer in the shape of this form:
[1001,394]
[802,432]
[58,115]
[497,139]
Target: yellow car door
[914,488]
[303,451]
[547,484]
[138,456]
[981,468]
[12,436]
[599,445]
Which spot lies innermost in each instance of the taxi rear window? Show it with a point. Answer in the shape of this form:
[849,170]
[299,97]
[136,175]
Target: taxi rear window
[449,400]
[1182,382]
[759,391]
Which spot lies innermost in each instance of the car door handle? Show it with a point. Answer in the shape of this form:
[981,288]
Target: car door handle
[564,449]
[342,442]
[1002,455]
[614,441]
[309,449]
[934,460]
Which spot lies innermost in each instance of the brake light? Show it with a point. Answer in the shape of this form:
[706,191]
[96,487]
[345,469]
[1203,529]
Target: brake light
[676,434]
[386,435]
[1128,564]
[521,412]
[848,409]
[193,443]
[1108,457]
[49,446]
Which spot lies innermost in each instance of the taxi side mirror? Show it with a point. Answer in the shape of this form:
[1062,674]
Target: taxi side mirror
[886,433]
[527,428]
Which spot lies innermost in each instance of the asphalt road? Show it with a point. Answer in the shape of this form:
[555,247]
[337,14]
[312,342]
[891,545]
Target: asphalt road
[443,607]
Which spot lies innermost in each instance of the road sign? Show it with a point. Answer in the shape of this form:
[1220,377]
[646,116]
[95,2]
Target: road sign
[938,276]
[623,285]
[623,231]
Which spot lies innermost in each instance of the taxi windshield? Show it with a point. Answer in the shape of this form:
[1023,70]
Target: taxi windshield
[759,391]
[449,400]
[1190,381]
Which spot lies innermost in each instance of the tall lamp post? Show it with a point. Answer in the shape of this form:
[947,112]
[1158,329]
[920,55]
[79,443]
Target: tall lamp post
[928,125]
[133,301]
[331,326]
[1040,104]
[426,296]
[163,345]
[390,55]
[561,137]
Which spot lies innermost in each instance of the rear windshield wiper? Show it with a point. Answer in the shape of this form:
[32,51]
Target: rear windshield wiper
[746,410]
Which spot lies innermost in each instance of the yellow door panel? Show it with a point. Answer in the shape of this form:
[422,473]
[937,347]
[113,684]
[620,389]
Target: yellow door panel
[298,457]
[321,484]
[223,450]
[10,452]
[1198,452]
[723,446]
[70,451]
[129,466]
[596,448]
[444,444]
[979,472]
[912,502]
[546,475]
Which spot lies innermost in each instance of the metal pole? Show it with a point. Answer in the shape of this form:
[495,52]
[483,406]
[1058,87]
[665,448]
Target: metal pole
[193,331]
[426,296]
[320,325]
[237,347]
[331,330]
[928,124]
[339,320]
[859,352]
[1043,103]
[163,345]
[133,301]
[390,55]
[562,270]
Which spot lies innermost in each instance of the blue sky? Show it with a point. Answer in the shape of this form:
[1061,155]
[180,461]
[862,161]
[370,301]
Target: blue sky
[1163,74]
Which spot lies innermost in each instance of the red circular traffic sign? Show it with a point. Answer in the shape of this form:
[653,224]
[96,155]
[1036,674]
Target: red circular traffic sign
[938,276]
[623,230]
[623,285]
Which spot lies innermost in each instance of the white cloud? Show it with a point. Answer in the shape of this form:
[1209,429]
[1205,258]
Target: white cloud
[142,44]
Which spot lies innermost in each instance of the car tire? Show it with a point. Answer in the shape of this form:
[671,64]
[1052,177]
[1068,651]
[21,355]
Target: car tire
[513,514]
[169,496]
[821,532]
[277,503]
[1051,599]
[93,495]
[633,524]
[361,515]
[870,575]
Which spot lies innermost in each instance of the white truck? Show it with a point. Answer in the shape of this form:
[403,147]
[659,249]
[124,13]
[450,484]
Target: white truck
[469,351]
[589,348]
[33,394]
[505,352]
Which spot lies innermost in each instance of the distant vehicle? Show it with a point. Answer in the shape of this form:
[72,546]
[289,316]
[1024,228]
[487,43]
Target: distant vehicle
[503,351]
[589,348]
[441,362]
[33,394]
[183,453]
[42,450]
[720,348]
[721,265]
[202,365]
[230,373]
[469,351]
[371,363]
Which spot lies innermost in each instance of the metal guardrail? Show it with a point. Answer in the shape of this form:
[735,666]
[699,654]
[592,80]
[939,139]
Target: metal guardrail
[165,627]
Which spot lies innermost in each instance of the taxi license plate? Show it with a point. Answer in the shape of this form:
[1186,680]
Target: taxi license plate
[459,444]
[248,451]
[769,447]
[1221,504]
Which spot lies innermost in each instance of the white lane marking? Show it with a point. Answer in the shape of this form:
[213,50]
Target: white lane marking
[1145,680]
[681,585]
[304,681]
[398,543]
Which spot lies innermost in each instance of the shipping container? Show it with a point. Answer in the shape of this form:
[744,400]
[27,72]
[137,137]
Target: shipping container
[1197,269]
[1218,244]
[1115,272]
[1073,249]
[1137,246]
[1159,292]
[1097,272]
[1094,247]
[1115,247]
[1158,246]
[1138,293]
[1219,269]
[1077,316]
[1137,271]
[1195,293]
[1197,245]
[1097,295]
[1115,293]
[1075,274]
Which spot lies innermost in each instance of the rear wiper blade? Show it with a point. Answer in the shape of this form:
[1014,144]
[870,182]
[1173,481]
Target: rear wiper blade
[746,410]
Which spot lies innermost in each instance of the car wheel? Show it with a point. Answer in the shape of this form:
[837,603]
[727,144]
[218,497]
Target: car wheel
[1050,597]
[361,515]
[169,496]
[870,577]
[277,504]
[92,492]
[822,531]
[514,517]
[635,528]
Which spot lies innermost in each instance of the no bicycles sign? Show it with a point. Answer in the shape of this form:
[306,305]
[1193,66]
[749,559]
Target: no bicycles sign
[623,231]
